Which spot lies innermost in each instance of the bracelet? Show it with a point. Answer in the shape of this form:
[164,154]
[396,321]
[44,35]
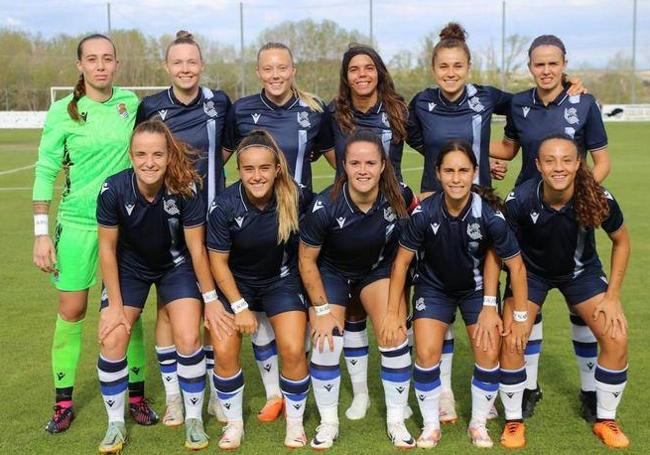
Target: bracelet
[520,316]
[210,296]
[239,305]
[41,224]
[322,310]
[490,300]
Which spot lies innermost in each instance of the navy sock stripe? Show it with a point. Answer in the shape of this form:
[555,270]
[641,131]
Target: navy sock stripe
[294,387]
[585,349]
[355,326]
[533,347]
[395,352]
[488,376]
[228,385]
[111,367]
[324,372]
[264,352]
[424,376]
[166,356]
[610,377]
[486,386]
[355,352]
[513,377]
[194,359]
[538,318]
[577,320]
[448,346]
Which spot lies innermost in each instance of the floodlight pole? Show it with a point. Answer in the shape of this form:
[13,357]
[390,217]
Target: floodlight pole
[371,32]
[634,54]
[503,45]
[108,17]
[242,74]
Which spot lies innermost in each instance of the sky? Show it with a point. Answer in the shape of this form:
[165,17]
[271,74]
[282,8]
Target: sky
[593,30]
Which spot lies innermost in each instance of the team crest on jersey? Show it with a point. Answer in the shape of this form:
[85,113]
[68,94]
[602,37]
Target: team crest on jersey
[474,231]
[534,216]
[419,304]
[121,108]
[571,115]
[525,110]
[435,227]
[170,207]
[384,119]
[341,221]
[303,119]
[389,229]
[129,208]
[256,117]
[104,188]
[239,220]
[389,214]
[570,131]
[162,113]
[432,106]
[475,104]
[209,109]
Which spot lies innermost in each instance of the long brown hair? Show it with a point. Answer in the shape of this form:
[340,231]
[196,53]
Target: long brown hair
[180,176]
[460,145]
[452,36]
[388,184]
[183,37]
[308,98]
[285,189]
[80,87]
[589,197]
[395,106]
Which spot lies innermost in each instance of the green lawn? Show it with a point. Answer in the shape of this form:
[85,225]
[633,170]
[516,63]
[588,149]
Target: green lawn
[28,309]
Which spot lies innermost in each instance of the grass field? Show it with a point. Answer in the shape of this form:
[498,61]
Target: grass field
[28,313]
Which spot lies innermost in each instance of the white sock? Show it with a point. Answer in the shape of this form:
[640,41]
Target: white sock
[295,394]
[609,391]
[396,378]
[426,382]
[209,368]
[446,359]
[355,350]
[191,377]
[113,382]
[326,379]
[485,388]
[585,347]
[266,355]
[230,391]
[532,352]
[511,391]
[167,361]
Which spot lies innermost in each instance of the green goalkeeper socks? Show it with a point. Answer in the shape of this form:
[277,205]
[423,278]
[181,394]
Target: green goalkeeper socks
[135,357]
[66,349]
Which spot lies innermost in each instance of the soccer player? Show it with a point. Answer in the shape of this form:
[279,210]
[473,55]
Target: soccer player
[536,113]
[151,231]
[195,115]
[87,135]
[367,99]
[253,243]
[555,219]
[451,233]
[348,241]
[294,118]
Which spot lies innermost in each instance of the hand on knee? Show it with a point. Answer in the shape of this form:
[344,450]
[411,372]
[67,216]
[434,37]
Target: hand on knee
[115,343]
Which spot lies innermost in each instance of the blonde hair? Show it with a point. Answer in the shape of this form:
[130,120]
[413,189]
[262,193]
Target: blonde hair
[285,189]
[184,37]
[309,99]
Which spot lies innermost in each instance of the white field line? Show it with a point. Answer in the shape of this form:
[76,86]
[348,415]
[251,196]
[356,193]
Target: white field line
[18,169]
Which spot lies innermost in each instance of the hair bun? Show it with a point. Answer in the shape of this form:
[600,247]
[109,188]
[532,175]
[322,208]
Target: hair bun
[184,34]
[453,30]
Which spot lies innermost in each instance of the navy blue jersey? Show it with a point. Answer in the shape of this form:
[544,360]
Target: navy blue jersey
[554,245]
[352,242]
[451,250]
[433,121]
[376,120]
[250,235]
[199,124]
[151,237]
[530,122]
[296,128]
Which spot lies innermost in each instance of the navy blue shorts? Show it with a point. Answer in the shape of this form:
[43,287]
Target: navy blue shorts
[434,304]
[177,283]
[340,290]
[279,297]
[588,284]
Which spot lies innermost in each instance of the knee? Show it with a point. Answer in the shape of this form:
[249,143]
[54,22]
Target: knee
[115,342]
[72,313]
[427,357]
[616,348]
[187,343]
[294,354]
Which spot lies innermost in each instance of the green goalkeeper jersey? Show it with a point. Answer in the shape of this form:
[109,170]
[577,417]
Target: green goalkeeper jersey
[88,151]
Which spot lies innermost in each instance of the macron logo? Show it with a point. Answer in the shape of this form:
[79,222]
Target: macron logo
[431,106]
[129,208]
[341,221]
[534,216]
[317,206]
[435,227]
[525,110]
[163,114]
[239,220]
[256,117]
[417,209]
[104,188]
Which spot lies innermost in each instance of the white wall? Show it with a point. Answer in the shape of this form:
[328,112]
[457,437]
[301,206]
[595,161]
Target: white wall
[22,119]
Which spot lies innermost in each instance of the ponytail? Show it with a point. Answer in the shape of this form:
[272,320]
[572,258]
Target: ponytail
[77,93]
[590,202]
[490,196]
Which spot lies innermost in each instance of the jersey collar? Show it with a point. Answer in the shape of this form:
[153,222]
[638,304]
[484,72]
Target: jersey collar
[541,203]
[376,109]
[271,105]
[462,98]
[139,197]
[353,207]
[271,206]
[173,99]
[557,101]
[463,213]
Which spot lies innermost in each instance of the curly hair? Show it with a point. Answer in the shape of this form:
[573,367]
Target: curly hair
[388,184]
[395,106]
[180,176]
[487,193]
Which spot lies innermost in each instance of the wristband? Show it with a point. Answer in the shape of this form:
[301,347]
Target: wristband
[322,310]
[41,224]
[520,316]
[239,305]
[210,296]
[490,300]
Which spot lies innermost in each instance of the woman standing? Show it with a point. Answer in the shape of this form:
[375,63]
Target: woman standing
[87,135]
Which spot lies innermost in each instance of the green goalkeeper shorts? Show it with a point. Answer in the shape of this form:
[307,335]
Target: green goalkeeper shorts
[77,254]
